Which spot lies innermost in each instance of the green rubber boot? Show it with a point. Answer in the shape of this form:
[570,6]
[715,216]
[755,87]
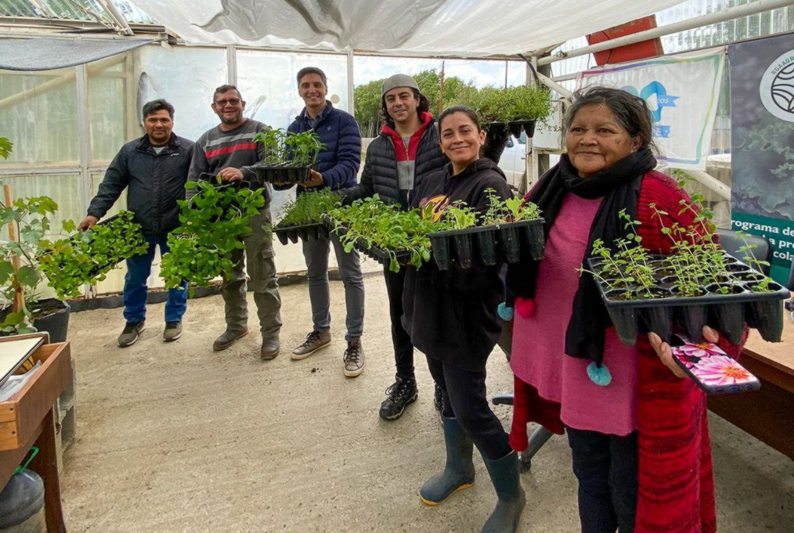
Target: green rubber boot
[505,477]
[458,472]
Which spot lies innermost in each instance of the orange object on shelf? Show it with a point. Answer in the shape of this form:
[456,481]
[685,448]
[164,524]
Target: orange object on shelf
[629,52]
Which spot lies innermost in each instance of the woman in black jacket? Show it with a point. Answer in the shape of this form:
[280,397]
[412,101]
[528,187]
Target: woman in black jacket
[451,317]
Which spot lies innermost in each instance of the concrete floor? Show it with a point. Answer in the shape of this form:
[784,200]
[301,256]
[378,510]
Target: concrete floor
[174,437]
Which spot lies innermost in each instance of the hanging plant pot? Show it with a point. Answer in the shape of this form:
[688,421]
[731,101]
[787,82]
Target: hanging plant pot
[284,173]
[307,232]
[498,129]
[518,126]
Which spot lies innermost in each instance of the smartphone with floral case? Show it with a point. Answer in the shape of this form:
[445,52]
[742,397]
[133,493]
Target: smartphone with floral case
[711,368]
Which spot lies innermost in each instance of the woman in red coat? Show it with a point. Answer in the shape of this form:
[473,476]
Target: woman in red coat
[636,428]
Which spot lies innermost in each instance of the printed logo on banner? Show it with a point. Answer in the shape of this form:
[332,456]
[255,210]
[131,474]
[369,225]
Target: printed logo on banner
[655,88]
[777,87]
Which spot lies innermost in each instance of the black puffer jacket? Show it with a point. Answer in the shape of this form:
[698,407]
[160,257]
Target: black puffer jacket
[155,181]
[380,168]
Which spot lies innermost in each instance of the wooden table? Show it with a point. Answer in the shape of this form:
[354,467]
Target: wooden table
[767,414]
[28,419]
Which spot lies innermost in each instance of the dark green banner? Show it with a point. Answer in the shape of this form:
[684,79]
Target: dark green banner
[762,140]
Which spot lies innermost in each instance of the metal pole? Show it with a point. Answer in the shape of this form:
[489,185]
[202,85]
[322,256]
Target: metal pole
[712,18]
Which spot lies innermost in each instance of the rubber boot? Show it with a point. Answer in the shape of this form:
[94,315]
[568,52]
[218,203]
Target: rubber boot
[506,481]
[458,472]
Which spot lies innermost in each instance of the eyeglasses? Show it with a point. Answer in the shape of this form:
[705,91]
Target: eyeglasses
[230,101]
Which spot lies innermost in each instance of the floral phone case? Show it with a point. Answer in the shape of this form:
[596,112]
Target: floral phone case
[712,369]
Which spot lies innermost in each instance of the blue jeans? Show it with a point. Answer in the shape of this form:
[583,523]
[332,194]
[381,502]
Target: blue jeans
[316,254]
[606,467]
[138,269]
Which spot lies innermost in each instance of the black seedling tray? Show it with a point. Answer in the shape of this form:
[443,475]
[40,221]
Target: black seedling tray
[307,232]
[283,173]
[373,251]
[727,313]
[488,245]
[382,256]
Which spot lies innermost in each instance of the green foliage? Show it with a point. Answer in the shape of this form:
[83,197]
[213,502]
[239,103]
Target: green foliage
[309,207]
[369,222]
[512,209]
[32,219]
[87,256]
[523,102]
[367,98]
[458,216]
[282,147]
[5,147]
[213,223]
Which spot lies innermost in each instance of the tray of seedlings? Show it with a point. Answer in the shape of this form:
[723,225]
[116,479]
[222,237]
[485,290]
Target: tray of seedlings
[510,231]
[288,158]
[303,218]
[383,232]
[87,256]
[697,284]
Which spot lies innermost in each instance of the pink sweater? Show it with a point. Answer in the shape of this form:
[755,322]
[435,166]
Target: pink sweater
[539,341]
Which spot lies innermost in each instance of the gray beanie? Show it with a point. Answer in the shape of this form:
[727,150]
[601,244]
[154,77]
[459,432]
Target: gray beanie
[398,80]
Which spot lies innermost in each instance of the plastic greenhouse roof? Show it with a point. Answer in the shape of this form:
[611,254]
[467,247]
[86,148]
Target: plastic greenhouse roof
[466,28]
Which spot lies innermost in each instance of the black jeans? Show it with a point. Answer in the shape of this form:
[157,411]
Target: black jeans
[606,467]
[464,398]
[403,349]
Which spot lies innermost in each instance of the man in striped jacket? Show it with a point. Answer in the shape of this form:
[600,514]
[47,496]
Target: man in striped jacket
[227,150]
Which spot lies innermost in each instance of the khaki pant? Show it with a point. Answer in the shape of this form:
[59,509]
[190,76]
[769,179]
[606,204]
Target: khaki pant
[261,269]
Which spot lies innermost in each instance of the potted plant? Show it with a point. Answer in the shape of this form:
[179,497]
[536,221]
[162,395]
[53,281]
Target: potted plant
[383,232]
[288,156]
[212,225]
[27,221]
[303,217]
[517,107]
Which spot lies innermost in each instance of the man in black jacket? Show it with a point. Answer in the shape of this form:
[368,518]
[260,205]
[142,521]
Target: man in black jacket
[405,153]
[154,168]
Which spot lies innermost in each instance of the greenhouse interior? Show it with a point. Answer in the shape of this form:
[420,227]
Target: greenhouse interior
[175,437]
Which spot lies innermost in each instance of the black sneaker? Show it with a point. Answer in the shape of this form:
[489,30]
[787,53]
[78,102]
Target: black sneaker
[398,396]
[130,334]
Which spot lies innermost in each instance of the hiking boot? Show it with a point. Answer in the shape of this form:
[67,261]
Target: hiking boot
[227,338]
[402,393]
[354,358]
[172,331]
[132,330]
[269,349]
[314,341]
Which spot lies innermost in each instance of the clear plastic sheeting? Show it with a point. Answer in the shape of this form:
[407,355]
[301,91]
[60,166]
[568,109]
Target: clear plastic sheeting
[47,54]
[407,28]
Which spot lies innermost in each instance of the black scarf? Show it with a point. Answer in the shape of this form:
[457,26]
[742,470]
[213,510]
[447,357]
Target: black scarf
[620,188]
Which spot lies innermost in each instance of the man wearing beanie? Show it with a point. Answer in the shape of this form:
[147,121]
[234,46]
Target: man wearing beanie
[336,168]
[406,152]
